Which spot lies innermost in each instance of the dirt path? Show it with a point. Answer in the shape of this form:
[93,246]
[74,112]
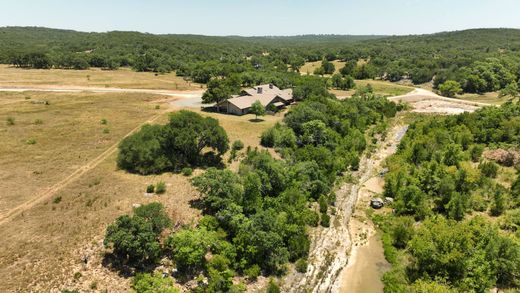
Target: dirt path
[77,89]
[49,192]
[331,247]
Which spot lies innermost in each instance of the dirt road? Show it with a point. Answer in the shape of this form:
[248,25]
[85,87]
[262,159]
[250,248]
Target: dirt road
[77,89]
[424,101]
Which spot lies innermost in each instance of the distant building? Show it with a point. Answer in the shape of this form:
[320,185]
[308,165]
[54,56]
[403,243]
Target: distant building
[267,94]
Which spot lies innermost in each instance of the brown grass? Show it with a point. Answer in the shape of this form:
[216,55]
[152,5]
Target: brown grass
[44,246]
[122,78]
[488,98]
[384,88]
[309,67]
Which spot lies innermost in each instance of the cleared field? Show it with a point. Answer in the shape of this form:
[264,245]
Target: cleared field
[488,98]
[309,67]
[384,88]
[46,245]
[122,78]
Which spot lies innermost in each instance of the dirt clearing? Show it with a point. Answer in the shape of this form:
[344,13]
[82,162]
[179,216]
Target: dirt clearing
[424,101]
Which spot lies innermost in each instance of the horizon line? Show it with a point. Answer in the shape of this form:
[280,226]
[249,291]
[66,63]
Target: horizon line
[262,36]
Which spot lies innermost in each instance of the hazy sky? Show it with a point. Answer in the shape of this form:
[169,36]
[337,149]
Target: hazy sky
[263,17]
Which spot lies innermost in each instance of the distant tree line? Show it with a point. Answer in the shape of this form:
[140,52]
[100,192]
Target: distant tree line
[478,60]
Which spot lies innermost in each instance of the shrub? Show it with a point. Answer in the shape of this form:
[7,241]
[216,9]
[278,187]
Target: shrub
[38,121]
[106,131]
[160,188]
[10,121]
[148,283]
[322,201]
[237,145]
[77,275]
[30,141]
[325,220]
[272,287]
[488,169]
[157,107]
[150,188]
[301,265]
[57,200]
[252,272]
[312,218]
[104,121]
[475,152]
[187,171]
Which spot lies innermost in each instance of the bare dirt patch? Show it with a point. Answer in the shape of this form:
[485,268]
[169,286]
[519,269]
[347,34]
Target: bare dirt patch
[424,101]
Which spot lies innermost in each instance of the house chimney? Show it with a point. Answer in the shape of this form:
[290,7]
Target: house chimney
[259,90]
[271,86]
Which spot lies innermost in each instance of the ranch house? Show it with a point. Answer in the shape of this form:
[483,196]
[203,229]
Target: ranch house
[267,94]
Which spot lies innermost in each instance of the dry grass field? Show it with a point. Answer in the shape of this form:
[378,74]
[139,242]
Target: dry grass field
[309,67]
[488,98]
[384,88]
[122,78]
[44,246]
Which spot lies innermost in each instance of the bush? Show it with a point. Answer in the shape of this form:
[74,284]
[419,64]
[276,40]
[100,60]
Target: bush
[106,131]
[160,188]
[150,188]
[38,121]
[301,265]
[253,272]
[488,169]
[56,200]
[187,171]
[272,287]
[325,220]
[10,121]
[149,283]
[322,201]
[104,121]
[475,152]
[30,141]
[237,145]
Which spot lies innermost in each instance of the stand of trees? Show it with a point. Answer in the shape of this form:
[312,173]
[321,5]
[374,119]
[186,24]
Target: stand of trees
[442,188]
[171,147]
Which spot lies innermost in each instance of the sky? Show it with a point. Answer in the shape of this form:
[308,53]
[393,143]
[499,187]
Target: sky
[263,17]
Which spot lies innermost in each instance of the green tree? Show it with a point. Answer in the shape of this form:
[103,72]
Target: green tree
[189,247]
[133,240]
[450,88]
[511,90]
[328,67]
[218,91]
[258,109]
[154,213]
[178,144]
